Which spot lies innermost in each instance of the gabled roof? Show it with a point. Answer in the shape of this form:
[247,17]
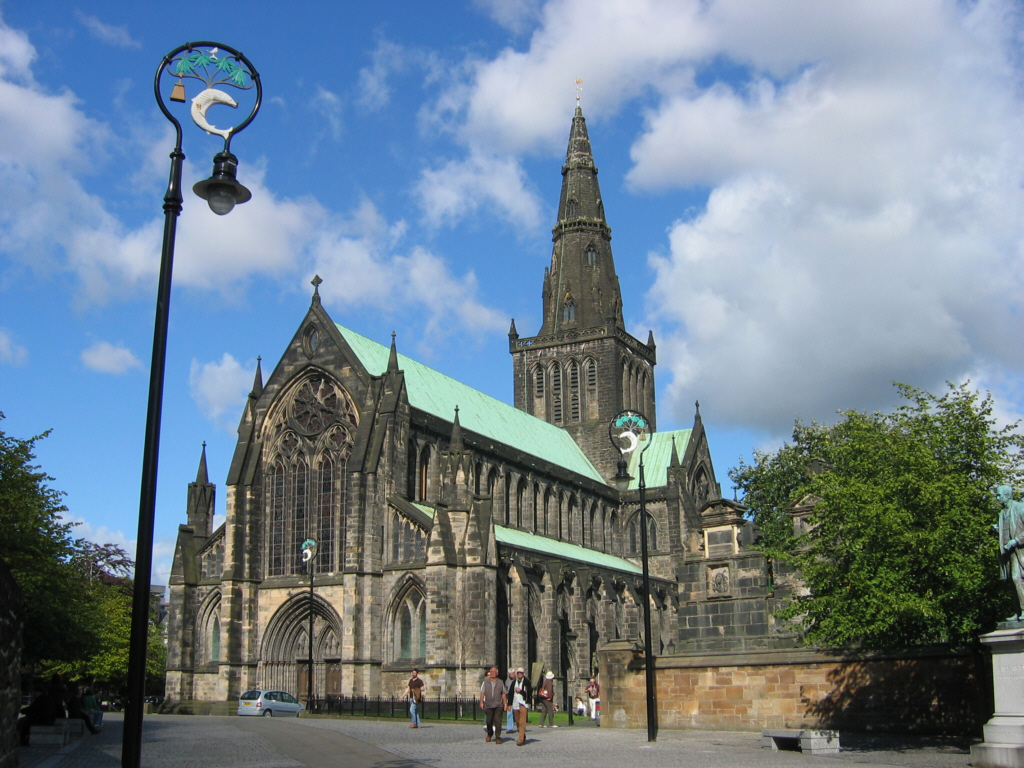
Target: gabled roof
[434,393]
[513,537]
[657,458]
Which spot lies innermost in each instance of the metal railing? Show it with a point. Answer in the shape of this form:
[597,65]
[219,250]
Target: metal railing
[432,708]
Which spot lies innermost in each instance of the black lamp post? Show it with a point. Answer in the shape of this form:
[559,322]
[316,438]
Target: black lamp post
[570,638]
[308,557]
[627,430]
[217,65]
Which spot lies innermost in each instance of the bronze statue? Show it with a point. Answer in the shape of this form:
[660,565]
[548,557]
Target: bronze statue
[1011,543]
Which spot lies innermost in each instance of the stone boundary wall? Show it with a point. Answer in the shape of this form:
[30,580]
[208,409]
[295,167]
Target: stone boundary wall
[935,692]
[11,621]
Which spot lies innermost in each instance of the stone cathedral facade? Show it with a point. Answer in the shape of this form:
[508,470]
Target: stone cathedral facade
[454,530]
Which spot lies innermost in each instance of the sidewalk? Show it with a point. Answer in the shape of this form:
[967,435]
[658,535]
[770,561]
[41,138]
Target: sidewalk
[249,742]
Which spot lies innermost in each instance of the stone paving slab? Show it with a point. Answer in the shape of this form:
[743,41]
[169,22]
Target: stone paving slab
[171,741]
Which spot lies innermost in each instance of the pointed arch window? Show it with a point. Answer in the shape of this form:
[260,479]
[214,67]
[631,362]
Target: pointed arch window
[215,639]
[574,391]
[556,393]
[411,626]
[277,527]
[538,382]
[591,255]
[572,208]
[298,521]
[324,506]
[520,503]
[424,473]
[569,310]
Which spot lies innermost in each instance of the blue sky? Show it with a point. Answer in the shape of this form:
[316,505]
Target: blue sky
[808,201]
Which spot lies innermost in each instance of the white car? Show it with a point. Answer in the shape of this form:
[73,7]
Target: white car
[269,703]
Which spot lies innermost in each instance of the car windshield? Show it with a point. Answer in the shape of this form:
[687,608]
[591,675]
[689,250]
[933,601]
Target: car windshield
[250,696]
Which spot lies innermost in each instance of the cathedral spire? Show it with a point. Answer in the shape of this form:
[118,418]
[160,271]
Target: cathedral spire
[393,356]
[581,289]
[202,476]
[257,381]
[455,445]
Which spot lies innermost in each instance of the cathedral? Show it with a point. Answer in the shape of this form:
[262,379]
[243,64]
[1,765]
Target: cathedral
[454,531]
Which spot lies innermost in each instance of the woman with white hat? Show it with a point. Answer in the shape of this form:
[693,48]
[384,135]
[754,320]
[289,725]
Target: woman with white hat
[546,694]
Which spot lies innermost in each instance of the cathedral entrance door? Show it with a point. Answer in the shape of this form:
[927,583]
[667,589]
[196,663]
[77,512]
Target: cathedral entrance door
[334,678]
[302,683]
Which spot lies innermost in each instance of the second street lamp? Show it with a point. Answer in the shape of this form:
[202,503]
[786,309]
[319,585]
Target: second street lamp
[309,558]
[213,64]
[627,431]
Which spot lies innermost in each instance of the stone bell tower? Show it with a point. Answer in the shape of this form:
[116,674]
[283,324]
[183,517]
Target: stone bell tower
[583,367]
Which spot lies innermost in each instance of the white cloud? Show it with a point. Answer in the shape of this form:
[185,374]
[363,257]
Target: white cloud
[462,187]
[220,389]
[119,37]
[105,357]
[328,104]
[11,353]
[16,54]
[865,167]
[515,15]
[374,91]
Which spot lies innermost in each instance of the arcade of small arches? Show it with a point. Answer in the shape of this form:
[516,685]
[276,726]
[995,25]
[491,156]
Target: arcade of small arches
[565,392]
[530,503]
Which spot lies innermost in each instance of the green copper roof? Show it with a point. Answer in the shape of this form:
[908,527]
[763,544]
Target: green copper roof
[657,458]
[524,540]
[437,394]
[563,549]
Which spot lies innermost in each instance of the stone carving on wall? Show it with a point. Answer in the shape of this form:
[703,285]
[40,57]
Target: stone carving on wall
[718,581]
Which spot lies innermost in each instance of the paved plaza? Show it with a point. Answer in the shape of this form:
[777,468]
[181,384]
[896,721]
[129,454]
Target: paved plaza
[241,742]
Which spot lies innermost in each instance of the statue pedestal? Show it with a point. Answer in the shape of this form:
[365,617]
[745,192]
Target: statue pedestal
[1004,733]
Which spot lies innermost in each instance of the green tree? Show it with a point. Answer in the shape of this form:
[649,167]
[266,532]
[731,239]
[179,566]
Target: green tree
[37,546]
[901,551]
[110,624]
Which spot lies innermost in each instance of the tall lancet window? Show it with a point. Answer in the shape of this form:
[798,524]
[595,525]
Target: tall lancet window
[591,255]
[276,564]
[556,393]
[298,522]
[325,516]
[568,309]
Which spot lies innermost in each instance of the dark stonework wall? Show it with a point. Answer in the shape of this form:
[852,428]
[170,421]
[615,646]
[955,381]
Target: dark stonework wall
[11,620]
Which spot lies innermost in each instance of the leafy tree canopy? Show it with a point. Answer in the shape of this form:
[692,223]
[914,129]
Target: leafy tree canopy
[901,549]
[77,594]
[37,546]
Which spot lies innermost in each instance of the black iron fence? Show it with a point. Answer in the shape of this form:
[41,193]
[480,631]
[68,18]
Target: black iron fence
[432,708]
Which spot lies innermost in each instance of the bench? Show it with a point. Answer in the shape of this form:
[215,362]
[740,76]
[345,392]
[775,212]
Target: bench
[60,733]
[39,735]
[811,742]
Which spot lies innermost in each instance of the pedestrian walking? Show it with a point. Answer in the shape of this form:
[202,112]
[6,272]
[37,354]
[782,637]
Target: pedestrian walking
[510,726]
[593,697]
[519,705]
[546,694]
[415,692]
[493,703]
